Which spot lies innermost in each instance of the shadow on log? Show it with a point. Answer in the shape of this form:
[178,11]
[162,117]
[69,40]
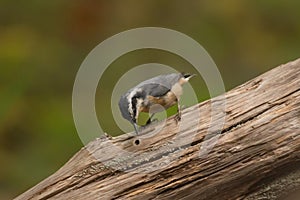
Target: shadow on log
[244,144]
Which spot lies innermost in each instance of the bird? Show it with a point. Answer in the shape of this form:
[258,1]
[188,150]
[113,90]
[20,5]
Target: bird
[152,96]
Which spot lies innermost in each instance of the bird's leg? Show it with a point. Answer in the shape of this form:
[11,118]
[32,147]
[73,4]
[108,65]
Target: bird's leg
[178,116]
[150,119]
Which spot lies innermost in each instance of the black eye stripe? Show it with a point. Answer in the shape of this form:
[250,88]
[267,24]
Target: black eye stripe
[138,95]
[134,102]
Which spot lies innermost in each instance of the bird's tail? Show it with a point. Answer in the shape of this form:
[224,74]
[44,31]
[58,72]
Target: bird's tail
[187,76]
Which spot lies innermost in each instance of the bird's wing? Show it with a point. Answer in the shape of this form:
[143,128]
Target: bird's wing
[160,85]
[155,90]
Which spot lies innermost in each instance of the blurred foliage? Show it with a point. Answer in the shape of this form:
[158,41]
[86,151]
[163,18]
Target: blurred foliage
[42,44]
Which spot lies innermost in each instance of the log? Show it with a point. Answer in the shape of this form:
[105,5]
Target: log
[244,144]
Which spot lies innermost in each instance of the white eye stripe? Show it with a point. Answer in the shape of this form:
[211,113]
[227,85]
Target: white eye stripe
[129,99]
[138,105]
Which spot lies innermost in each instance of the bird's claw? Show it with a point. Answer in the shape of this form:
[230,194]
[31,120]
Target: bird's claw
[147,124]
[106,136]
[150,122]
[154,120]
[178,117]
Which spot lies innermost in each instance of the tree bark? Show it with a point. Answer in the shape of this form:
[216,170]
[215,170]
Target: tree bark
[244,144]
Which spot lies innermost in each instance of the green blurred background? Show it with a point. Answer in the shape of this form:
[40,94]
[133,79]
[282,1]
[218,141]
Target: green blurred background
[42,44]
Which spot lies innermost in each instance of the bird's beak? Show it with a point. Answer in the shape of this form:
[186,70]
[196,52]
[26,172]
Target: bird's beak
[135,128]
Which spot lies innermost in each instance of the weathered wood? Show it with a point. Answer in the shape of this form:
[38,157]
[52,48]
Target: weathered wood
[258,145]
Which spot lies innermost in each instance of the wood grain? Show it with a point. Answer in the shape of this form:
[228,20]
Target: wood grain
[230,147]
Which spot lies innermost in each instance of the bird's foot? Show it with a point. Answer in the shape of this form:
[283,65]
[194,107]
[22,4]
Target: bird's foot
[178,117]
[108,136]
[154,120]
[149,122]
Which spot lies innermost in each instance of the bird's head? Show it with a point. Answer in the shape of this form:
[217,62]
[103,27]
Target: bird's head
[130,104]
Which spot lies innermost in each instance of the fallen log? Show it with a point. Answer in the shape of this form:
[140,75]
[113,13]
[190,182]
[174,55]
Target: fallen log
[244,144]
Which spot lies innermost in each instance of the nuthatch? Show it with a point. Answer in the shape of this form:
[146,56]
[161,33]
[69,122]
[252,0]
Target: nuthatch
[152,96]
